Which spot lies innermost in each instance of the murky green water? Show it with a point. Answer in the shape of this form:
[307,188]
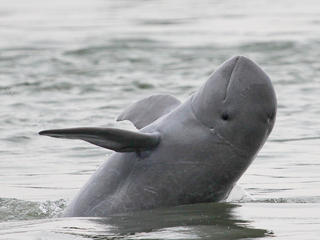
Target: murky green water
[79,63]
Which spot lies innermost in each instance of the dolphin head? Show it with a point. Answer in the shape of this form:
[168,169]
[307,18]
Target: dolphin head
[238,103]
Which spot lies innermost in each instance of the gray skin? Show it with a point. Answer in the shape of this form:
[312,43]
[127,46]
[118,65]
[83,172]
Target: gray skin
[201,147]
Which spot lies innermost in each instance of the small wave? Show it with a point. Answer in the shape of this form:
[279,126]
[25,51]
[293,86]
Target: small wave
[269,46]
[155,22]
[250,199]
[115,44]
[87,50]
[288,200]
[18,139]
[15,209]
[295,139]
[240,195]
[143,85]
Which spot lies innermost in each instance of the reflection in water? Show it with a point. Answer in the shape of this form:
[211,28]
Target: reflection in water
[197,221]
[205,221]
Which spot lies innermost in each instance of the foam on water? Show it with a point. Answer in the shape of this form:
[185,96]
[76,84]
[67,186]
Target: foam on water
[15,209]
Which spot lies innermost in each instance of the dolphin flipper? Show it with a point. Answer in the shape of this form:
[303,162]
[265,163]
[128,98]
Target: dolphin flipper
[147,110]
[110,138]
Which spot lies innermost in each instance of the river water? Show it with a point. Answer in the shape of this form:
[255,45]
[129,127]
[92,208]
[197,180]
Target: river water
[79,63]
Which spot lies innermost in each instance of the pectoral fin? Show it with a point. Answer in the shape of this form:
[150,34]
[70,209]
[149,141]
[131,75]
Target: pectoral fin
[147,110]
[110,138]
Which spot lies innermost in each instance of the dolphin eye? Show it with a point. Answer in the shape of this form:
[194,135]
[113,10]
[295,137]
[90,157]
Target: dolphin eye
[225,116]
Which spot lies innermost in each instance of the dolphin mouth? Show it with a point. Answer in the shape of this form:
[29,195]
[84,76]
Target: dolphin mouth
[234,148]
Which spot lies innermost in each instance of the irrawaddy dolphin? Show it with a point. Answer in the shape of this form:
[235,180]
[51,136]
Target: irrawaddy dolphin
[181,153]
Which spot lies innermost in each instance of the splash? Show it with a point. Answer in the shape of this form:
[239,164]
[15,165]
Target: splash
[15,209]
